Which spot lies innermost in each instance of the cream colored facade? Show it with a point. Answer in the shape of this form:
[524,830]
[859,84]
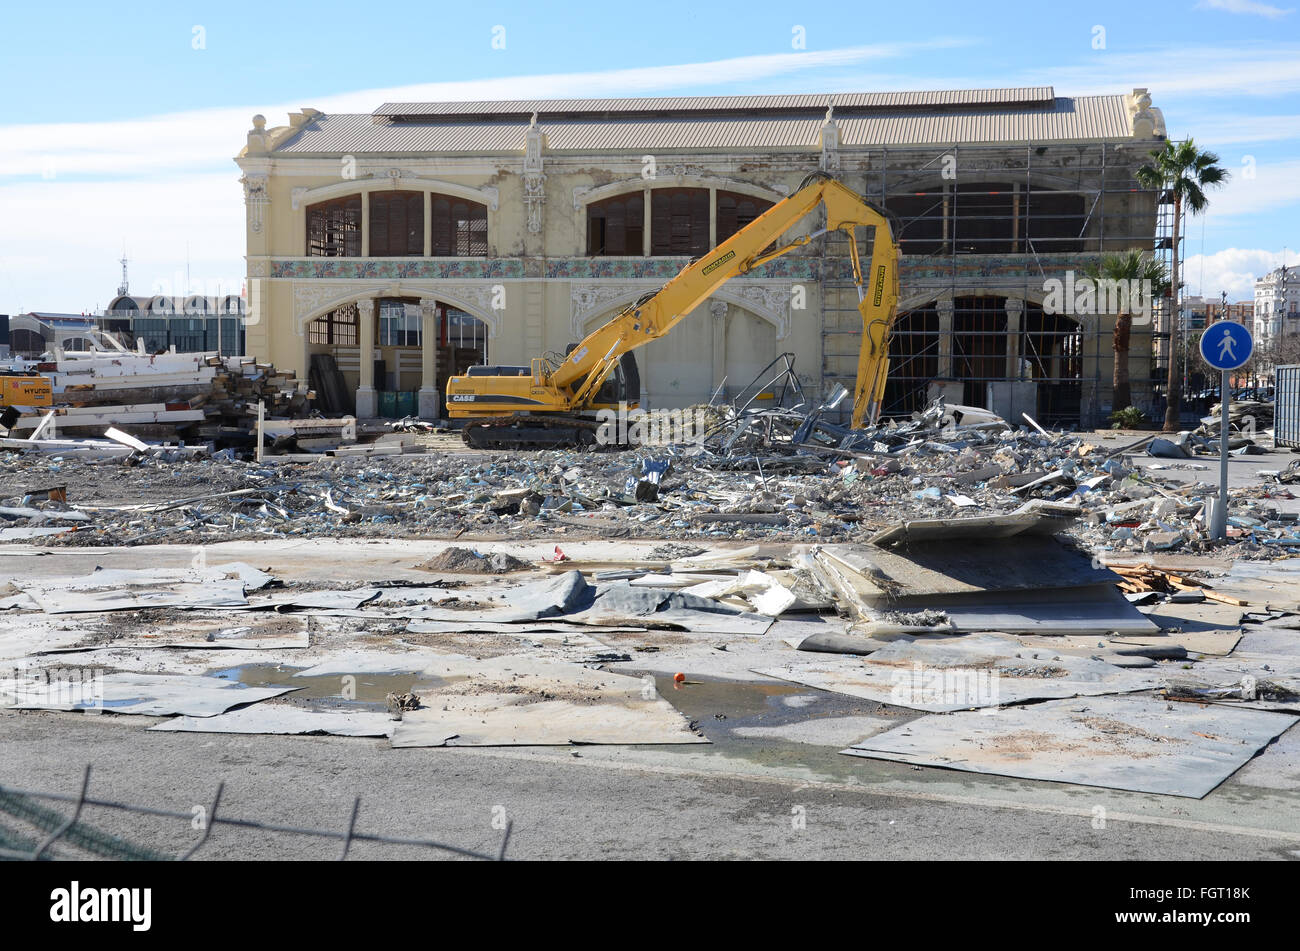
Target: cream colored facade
[539,167]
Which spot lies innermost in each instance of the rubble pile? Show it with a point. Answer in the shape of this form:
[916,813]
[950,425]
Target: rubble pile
[822,484]
[239,385]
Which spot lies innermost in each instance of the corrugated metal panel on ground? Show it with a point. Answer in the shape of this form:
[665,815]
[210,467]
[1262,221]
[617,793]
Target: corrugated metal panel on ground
[1286,408]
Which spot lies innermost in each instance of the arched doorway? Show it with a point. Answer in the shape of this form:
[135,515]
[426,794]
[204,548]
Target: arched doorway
[334,360]
[719,348]
[462,343]
[1051,354]
[979,345]
[400,357]
[913,361]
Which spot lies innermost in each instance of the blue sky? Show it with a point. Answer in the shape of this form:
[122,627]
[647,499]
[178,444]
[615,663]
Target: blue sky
[123,124]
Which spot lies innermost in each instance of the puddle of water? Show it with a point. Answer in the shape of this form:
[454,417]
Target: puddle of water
[743,704]
[365,690]
[738,700]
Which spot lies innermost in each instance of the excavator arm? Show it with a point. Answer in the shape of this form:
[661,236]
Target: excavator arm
[573,386]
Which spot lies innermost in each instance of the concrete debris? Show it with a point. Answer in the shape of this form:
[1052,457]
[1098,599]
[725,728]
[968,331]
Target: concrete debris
[453,560]
[951,562]
[826,485]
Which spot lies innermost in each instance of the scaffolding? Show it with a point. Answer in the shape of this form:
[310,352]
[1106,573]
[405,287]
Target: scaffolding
[983,230]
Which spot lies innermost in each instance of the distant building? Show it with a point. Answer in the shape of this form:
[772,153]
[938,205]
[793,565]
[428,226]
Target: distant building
[1242,312]
[1277,306]
[194,324]
[1195,313]
[38,332]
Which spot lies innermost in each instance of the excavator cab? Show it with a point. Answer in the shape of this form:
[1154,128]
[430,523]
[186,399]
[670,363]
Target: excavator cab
[622,386]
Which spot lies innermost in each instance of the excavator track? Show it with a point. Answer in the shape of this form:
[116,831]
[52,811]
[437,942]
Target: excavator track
[531,431]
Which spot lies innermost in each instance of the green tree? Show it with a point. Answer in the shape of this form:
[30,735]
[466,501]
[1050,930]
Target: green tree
[1184,171]
[1127,267]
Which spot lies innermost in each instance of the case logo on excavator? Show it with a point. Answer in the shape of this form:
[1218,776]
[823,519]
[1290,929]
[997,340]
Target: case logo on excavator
[719,262]
[880,286]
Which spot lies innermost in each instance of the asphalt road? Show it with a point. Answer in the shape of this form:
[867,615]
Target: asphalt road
[750,795]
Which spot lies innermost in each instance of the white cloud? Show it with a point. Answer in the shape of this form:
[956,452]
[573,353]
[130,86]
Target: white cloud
[1250,7]
[1183,71]
[1233,270]
[1214,130]
[172,181]
[61,254]
[1276,184]
[207,137]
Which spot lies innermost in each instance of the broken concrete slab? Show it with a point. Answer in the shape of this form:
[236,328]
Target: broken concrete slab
[1097,609]
[1035,517]
[216,586]
[1135,743]
[227,594]
[282,719]
[129,692]
[937,674]
[209,633]
[967,567]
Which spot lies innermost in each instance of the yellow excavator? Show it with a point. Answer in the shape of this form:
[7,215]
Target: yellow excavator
[554,402]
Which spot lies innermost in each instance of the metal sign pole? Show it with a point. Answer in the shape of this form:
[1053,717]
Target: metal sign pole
[1220,528]
[1225,346]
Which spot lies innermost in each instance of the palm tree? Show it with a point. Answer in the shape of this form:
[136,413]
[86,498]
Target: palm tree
[1127,267]
[1184,171]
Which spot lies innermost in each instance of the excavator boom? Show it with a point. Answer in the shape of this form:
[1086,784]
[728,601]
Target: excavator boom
[541,395]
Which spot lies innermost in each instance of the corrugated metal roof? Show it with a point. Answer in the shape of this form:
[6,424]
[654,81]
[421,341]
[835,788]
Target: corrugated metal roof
[363,133]
[641,134]
[1086,118]
[1021,95]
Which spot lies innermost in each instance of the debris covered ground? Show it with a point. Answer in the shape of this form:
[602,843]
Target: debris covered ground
[996,599]
[744,486]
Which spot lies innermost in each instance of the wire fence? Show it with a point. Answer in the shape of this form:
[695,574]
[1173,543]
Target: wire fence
[24,805]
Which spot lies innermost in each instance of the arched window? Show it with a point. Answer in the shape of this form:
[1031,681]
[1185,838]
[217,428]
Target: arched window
[679,221]
[988,218]
[337,328]
[459,228]
[334,228]
[616,226]
[1055,220]
[396,224]
[735,211]
[27,343]
[984,219]
[918,221]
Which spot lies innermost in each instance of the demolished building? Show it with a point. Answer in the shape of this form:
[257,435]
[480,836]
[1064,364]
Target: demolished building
[433,236]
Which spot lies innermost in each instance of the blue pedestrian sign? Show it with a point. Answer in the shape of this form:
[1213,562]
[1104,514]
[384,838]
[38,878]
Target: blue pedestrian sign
[1226,345]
